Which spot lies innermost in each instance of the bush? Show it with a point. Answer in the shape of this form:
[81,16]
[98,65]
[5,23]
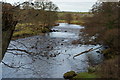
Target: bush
[109,68]
[111,38]
[91,69]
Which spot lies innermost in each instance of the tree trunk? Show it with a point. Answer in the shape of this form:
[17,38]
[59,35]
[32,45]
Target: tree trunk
[8,26]
[6,37]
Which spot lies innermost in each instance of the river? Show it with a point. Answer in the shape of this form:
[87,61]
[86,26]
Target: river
[50,55]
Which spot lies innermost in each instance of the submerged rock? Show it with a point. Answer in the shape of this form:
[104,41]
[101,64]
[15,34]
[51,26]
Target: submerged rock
[98,51]
[61,44]
[48,46]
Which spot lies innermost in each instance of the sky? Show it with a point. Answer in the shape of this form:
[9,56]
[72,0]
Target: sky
[68,5]
[75,6]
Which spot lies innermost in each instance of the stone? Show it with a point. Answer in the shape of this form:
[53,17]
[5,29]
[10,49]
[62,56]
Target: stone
[98,51]
[69,75]
[61,44]
[48,46]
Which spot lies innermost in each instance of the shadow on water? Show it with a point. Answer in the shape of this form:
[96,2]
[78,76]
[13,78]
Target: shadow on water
[49,56]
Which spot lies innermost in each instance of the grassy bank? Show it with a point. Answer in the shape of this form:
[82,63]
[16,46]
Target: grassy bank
[78,22]
[72,75]
[76,17]
[27,29]
[107,69]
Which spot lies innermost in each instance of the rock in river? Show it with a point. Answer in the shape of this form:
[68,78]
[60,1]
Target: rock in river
[69,75]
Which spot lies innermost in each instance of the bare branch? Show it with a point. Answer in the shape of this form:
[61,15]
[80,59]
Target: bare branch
[10,65]
[21,50]
[86,51]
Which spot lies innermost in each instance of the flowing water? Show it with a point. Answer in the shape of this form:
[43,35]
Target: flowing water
[49,55]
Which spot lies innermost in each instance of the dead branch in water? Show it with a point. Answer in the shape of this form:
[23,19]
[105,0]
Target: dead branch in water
[86,51]
[20,50]
[10,66]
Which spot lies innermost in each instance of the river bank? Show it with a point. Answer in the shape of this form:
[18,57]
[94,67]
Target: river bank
[77,22]
[23,30]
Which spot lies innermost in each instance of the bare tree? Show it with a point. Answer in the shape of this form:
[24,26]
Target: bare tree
[45,5]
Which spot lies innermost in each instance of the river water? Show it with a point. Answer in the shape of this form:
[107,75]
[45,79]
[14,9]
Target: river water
[49,55]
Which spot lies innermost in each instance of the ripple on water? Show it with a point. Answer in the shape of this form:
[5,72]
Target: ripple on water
[62,35]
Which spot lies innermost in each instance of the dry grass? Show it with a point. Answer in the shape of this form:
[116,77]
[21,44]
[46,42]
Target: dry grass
[109,68]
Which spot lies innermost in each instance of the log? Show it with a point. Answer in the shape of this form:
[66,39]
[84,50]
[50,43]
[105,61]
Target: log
[89,50]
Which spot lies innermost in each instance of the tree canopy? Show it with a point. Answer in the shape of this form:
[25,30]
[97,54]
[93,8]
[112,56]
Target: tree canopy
[39,11]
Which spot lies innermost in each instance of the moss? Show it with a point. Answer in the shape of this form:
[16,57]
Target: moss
[85,75]
[69,75]
[44,30]
[91,69]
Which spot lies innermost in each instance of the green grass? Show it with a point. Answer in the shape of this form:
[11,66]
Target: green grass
[86,75]
[78,17]
[74,13]
[28,29]
[61,21]
[79,22]
[22,32]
